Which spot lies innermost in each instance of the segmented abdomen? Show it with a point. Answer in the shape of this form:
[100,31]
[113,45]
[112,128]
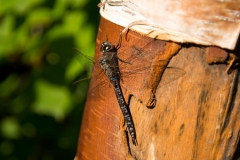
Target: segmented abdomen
[123,106]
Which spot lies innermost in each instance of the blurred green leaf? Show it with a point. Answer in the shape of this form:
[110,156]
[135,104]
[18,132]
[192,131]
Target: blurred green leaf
[6,5]
[73,22]
[74,68]
[59,8]
[6,34]
[41,16]
[78,3]
[84,39]
[51,100]
[8,85]
[23,6]
[10,128]
[21,37]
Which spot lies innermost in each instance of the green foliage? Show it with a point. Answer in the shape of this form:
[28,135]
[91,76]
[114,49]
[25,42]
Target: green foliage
[40,108]
[51,100]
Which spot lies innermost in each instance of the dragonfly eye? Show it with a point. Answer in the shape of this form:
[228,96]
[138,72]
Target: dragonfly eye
[107,47]
[105,43]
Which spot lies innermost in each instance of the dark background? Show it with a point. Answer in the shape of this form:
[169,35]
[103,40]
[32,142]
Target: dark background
[40,108]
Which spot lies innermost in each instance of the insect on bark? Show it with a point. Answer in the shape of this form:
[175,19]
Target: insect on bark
[109,64]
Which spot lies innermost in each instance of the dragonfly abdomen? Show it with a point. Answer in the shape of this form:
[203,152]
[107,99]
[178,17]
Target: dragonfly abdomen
[125,111]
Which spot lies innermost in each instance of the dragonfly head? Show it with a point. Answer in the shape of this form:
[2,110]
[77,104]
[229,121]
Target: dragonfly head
[107,47]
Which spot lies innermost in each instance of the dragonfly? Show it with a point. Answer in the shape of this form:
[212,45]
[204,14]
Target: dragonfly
[109,64]
[116,69]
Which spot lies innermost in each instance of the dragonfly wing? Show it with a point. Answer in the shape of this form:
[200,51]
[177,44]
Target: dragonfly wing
[85,60]
[171,74]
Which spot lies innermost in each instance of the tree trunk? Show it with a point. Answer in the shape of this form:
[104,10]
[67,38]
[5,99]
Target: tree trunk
[182,107]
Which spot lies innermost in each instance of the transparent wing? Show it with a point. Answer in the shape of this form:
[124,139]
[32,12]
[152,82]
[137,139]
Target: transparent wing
[171,74]
[135,62]
[85,60]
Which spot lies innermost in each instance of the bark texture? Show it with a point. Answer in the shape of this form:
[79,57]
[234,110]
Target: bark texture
[182,107]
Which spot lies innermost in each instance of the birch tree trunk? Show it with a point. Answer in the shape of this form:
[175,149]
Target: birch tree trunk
[184,100]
